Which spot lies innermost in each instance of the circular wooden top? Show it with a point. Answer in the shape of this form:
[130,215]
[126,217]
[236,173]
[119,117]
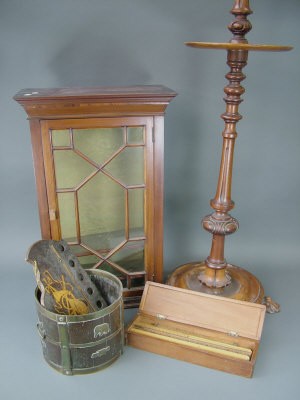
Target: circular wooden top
[237,46]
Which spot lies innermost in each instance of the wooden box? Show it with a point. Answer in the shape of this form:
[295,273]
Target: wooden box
[98,160]
[207,330]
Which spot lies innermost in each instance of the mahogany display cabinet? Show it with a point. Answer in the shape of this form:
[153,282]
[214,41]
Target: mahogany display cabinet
[98,160]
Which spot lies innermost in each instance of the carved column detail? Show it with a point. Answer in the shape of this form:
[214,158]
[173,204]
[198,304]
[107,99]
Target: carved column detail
[221,223]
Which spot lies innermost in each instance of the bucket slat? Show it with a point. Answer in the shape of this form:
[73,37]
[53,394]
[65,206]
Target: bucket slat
[84,343]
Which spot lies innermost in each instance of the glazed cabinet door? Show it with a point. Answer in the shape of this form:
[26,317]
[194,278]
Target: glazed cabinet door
[100,190]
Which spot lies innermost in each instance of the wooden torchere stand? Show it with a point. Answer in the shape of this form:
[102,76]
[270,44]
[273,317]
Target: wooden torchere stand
[215,275]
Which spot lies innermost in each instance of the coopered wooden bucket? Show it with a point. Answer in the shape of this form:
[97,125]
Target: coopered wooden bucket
[80,344]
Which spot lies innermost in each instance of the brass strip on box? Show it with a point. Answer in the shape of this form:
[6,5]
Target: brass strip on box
[193,341]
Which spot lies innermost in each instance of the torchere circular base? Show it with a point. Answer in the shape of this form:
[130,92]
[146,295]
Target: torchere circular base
[244,286]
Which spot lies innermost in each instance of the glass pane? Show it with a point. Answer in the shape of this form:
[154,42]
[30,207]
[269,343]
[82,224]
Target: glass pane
[128,166]
[60,137]
[108,268]
[70,169]
[130,256]
[102,213]
[135,135]
[136,212]
[78,250]
[98,144]
[88,261]
[67,216]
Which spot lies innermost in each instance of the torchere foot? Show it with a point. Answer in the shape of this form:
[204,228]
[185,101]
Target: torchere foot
[272,307]
[244,286]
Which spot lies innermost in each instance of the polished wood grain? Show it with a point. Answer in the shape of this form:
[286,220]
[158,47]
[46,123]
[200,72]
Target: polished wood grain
[243,286]
[36,143]
[237,46]
[95,102]
[206,330]
[168,335]
[203,310]
[215,275]
[143,323]
[158,177]
[138,93]
[91,108]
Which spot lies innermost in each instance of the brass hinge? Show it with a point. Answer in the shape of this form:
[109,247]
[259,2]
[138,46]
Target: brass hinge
[161,316]
[232,333]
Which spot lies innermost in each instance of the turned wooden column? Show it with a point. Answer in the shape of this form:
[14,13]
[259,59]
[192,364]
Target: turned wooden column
[221,223]
[215,275]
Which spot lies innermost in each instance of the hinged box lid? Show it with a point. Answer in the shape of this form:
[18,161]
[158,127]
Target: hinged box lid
[206,311]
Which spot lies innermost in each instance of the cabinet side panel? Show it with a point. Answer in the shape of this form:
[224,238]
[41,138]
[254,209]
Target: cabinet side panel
[37,152]
[149,204]
[158,163]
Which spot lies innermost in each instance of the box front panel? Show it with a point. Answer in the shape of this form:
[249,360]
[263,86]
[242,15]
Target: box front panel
[99,177]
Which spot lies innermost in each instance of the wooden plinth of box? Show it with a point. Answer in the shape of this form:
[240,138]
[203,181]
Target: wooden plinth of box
[207,330]
[98,160]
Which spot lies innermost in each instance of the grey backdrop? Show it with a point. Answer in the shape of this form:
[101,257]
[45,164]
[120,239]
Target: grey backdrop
[126,42]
